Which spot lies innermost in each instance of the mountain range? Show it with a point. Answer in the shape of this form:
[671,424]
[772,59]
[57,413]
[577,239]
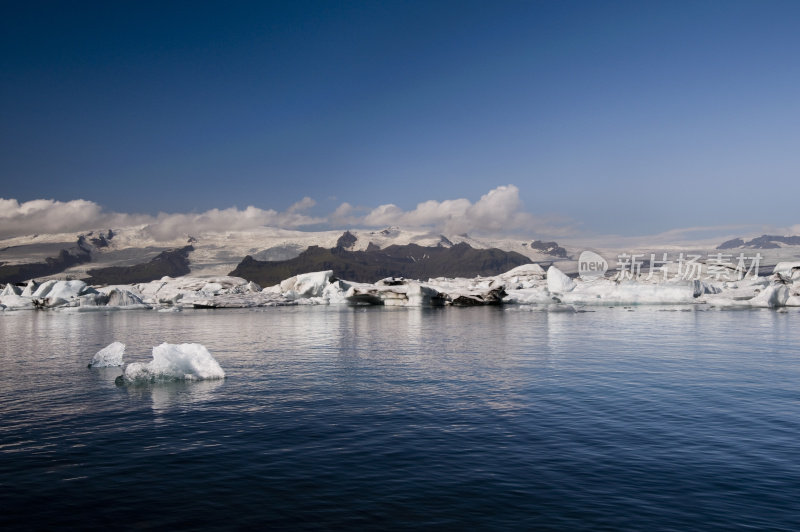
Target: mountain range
[269,255]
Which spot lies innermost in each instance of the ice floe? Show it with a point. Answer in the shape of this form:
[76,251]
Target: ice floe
[10,290]
[524,285]
[109,356]
[174,362]
[788,269]
[189,290]
[305,285]
[558,282]
[15,302]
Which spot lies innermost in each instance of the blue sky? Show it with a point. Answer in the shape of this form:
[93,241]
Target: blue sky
[616,117]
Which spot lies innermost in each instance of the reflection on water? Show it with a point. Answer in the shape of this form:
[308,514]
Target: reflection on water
[169,395]
[350,417]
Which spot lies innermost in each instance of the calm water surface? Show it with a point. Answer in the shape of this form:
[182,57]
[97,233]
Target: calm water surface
[380,418]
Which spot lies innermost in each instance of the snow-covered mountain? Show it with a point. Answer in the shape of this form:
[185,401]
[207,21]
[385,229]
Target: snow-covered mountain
[219,253]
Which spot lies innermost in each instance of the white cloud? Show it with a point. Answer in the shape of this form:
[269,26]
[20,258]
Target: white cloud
[50,216]
[169,226]
[498,211]
[348,216]
[302,205]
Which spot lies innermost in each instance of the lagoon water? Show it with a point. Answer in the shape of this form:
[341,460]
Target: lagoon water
[618,419]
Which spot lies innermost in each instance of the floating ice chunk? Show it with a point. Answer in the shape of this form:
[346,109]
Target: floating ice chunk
[274,289]
[394,292]
[788,269]
[187,289]
[52,294]
[15,302]
[420,295]
[43,290]
[119,296]
[109,356]
[175,362]
[558,282]
[306,284]
[525,276]
[704,287]
[772,296]
[335,293]
[10,290]
[68,290]
[525,270]
[529,296]
[477,298]
[609,292]
[30,288]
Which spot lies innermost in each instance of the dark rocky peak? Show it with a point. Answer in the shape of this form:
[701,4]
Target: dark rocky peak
[733,243]
[346,241]
[444,242]
[99,241]
[173,262]
[550,248]
[389,231]
[762,242]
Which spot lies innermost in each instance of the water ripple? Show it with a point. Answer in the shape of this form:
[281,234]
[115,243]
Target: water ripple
[407,418]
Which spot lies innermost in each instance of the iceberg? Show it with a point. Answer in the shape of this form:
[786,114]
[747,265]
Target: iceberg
[528,284]
[175,362]
[306,285]
[43,290]
[120,296]
[185,291]
[336,293]
[526,270]
[788,269]
[30,288]
[50,294]
[15,302]
[109,356]
[609,292]
[530,296]
[773,296]
[558,282]
[67,290]
[393,292]
[10,290]
[522,277]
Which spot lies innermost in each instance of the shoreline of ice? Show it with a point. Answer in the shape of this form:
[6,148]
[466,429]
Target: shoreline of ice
[525,285]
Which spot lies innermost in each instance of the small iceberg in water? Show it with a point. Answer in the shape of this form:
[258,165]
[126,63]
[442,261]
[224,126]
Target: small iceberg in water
[109,356]
[174,362]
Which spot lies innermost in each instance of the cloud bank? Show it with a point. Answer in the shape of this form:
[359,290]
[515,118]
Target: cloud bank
[499,211]
[50,216]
